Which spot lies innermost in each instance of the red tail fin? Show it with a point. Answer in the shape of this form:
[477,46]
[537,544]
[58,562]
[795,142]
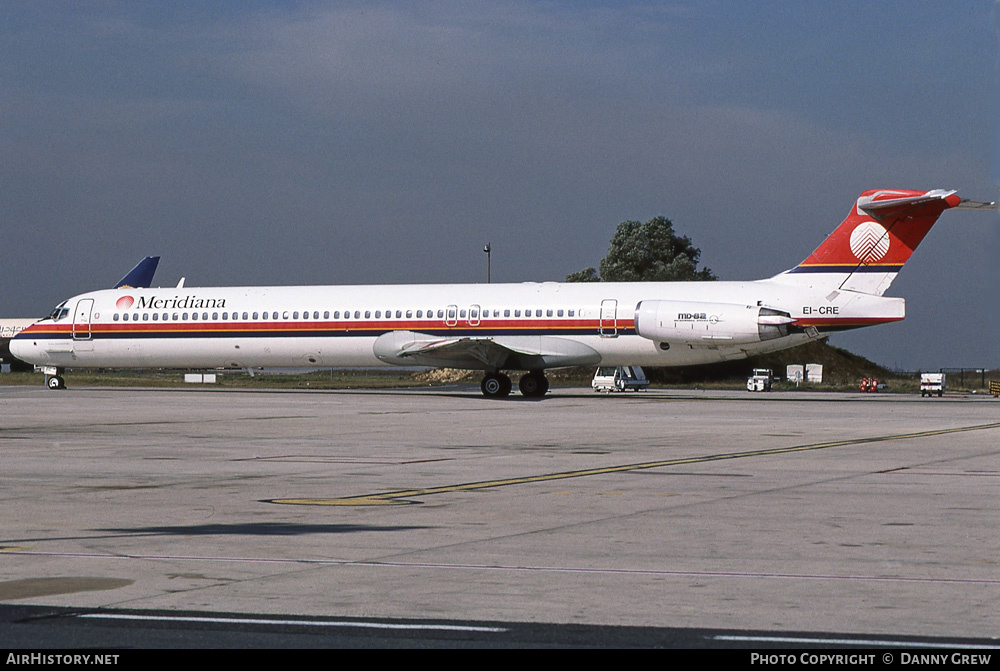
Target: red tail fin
[874,241]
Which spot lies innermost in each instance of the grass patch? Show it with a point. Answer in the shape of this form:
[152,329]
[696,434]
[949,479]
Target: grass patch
[322,379]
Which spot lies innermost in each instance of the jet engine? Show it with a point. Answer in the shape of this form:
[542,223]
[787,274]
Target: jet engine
[695,323]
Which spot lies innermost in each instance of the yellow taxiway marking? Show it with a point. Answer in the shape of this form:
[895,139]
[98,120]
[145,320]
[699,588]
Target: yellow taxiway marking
[402,496]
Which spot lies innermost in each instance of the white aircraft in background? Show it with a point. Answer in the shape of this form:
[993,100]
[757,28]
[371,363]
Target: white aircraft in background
[500,327]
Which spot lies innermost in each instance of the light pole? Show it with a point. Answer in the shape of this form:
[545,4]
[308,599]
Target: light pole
[489,262]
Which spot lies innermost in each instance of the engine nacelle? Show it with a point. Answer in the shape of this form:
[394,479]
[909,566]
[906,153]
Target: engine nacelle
[697,323]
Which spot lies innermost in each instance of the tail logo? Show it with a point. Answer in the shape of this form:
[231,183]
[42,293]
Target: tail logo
[124,303]
[869,242]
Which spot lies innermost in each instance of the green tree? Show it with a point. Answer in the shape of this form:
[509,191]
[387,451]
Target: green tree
[585,275]
[649,252]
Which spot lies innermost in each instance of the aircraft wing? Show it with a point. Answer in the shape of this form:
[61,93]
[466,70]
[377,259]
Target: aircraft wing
[483,353]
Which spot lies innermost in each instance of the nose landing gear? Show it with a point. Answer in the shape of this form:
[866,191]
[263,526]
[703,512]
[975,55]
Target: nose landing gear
[54,379]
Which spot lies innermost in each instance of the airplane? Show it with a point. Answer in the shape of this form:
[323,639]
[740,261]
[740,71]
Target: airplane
[497,328]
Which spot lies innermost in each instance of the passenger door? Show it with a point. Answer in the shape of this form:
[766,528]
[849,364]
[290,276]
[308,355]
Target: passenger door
[81,319]
[609,318]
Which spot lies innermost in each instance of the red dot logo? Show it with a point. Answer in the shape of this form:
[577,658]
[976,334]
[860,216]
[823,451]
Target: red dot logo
[124,303]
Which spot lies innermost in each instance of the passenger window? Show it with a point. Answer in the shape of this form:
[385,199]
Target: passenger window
[399,314]
[357,314]
[538,313]
[559,313]
[255,315]
[548,313]
[368,314]
[420,313]
[572,313]
[517,313]
[246,315]
[115,317]
[264,315]
[295,315]
[409,314]
[145,316]
[326,314]
[156,316]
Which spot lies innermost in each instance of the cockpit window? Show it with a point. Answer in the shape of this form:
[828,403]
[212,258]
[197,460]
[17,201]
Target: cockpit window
[59,312]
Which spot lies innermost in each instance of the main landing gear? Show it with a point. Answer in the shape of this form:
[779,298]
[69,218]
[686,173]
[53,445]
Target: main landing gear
[498,385]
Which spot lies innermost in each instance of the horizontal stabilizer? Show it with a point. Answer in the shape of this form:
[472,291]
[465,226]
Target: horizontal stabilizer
[966,204]
[883,205]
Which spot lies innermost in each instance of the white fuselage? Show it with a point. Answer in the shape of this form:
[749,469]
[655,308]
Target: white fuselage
[545,324]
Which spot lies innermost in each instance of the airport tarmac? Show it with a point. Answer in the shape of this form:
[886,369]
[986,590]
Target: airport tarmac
[781,512]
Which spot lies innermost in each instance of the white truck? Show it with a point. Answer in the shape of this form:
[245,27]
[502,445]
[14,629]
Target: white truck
[932,383]
[760,380]
[619,378]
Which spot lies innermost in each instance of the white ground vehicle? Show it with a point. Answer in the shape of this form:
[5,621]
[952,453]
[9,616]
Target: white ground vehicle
[761,380]
[932,383]
[619,378]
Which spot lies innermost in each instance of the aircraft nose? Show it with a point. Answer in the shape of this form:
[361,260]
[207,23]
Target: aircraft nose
[21,347]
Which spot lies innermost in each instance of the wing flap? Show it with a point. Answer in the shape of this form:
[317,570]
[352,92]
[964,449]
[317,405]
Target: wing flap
[483,353]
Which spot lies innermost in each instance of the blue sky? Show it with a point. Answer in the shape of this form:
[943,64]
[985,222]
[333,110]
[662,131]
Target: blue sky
[368,142]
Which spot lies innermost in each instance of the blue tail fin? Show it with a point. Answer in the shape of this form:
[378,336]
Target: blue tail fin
[140,277]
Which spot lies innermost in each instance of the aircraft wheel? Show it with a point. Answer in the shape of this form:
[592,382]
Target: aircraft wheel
[55,382]
[533,385]
[495,385]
